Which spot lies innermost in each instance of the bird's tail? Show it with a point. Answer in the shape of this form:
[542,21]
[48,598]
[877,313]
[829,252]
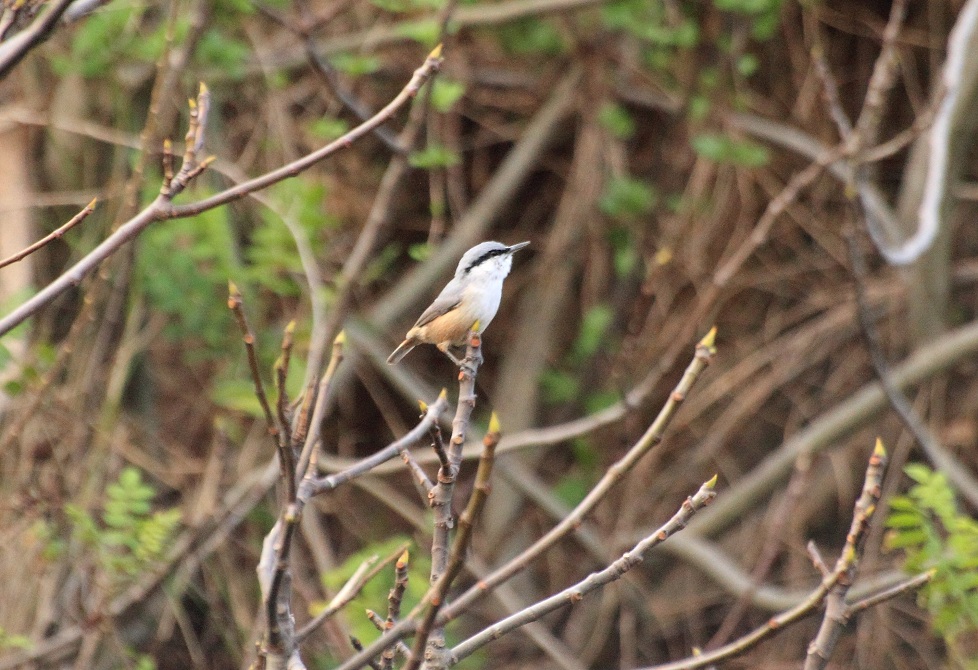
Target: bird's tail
[401,351]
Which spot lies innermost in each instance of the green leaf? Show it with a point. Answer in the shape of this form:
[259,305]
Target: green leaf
[355,65]
[237,395]
[434,156]
[616,120]
[626,197]
[445,93]
[723,149]
[327,128]
[530,36]
[420,252]
[572,488]
[906,539]
[425,33]
[592,334]
[559,387]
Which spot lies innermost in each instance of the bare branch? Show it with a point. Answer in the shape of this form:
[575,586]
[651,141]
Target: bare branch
[463,538]
[162,208]
[55,235]
[575,593]
[14,49]
[864,508]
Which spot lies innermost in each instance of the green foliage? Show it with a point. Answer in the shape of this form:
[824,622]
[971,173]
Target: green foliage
[272,255]
[355,65]
[402,6]
[374,593]
[126,537]
[10,641]
[425,32]
[592,334]
[625,256]
[530,36]
[434,156]
[328,128]
[559,387]
[627,197]
[420,252]
[572,488]
[183,269]
[935,535]
[616,120]
[219,50]
[723,149]
[445,93]
[763,14]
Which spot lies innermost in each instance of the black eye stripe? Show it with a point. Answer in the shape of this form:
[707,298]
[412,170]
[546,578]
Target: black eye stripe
[486,256]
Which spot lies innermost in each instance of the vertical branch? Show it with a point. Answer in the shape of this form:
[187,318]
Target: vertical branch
[394,599]
[836,611]
[236,305]
[440,497]
[434,655]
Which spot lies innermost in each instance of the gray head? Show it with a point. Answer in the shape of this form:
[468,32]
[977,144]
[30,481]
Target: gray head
[492,258]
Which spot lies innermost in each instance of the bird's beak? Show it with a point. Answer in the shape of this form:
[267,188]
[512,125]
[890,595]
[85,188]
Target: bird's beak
[516,247]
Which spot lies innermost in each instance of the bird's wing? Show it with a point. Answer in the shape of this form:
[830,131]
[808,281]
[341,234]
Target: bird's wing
[447,300]
[441,305]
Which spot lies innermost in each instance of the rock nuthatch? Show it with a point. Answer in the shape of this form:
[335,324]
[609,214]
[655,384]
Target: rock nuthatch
[472,295]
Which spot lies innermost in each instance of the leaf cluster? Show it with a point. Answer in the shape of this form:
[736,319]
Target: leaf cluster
[929,526]
[126,537]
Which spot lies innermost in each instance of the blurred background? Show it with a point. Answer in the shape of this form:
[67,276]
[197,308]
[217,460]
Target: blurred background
[650,150]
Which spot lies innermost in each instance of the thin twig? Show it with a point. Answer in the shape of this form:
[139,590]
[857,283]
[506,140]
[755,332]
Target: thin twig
[705,351]
[436,597]
[312,485]
[56,235]
[162,207]
[349,590]
[575,593]
[939,456]
[864,508]
[836,613]
[394,599]
[13,50]
[235,304]
[309,424]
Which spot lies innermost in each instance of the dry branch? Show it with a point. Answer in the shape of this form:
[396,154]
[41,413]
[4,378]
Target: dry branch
[162,208]
[575,593]
[55,235]
[704,354]
[842,572]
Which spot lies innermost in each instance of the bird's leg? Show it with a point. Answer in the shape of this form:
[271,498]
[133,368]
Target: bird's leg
[444,347]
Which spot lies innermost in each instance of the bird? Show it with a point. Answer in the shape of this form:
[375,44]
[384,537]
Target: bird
[470,299]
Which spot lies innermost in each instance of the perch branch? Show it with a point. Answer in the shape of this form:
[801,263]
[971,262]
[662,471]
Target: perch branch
[460,546]
[705,351]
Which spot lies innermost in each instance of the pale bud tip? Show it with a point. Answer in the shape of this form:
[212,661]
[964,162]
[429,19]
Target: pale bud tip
[341,338]
[709,340]
[712,483]
[494,424]
[436,52]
